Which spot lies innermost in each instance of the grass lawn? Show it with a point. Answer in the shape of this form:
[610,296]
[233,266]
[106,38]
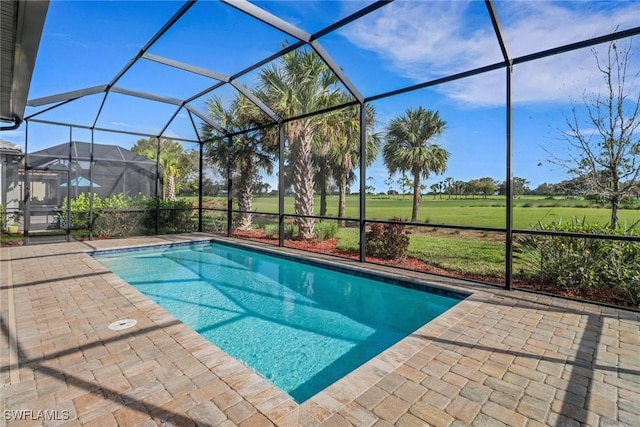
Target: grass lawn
[475,255]
[457,250]
[490,212]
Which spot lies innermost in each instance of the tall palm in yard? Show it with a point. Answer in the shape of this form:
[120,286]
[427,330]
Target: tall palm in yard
[343,132]
[408,148]
[250,152]
[300,83]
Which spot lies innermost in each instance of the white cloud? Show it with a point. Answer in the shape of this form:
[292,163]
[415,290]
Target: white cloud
[426,40]
[123,124]
[411,35]
[68,40]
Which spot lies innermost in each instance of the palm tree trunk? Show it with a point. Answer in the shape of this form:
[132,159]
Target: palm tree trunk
[345,169]
[416,200]
[323,200]
[323,184]
[342,205]
[303,180]
[171,188]
[244,198]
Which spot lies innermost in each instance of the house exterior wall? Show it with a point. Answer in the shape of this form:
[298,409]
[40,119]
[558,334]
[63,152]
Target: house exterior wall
[10,187]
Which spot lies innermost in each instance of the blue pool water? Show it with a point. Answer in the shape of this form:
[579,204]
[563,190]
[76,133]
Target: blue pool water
[299,325]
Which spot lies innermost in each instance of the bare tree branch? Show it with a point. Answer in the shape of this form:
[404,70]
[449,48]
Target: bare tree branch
[607,158]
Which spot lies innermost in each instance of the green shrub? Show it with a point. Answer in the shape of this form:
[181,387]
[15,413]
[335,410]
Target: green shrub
[172,216]
[80,207]
[119,201]
[214,222]
[272,231]
[325,230]
[3,219]
[108,227]
[290,230]
[388,241]
[119,216]
[581,263]
[120,223]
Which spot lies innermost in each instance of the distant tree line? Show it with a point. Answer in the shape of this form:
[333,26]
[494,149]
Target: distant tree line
[457,189]
[484,187]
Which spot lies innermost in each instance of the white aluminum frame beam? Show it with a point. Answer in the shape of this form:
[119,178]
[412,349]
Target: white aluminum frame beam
[145,95]
[498,30]
[216,76]
[206,119]
[269,19]
[175,18]
[66,96]
[337,70]
[261,105]
[186,67]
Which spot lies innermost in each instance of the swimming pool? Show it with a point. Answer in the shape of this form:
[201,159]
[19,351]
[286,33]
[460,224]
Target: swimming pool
[299,325]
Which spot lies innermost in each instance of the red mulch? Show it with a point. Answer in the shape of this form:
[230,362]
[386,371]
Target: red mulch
[328,247]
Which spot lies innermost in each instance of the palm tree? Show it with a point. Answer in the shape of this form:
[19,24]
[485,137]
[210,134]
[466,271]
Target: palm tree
[448,185]
[169,164]
[459,187]
[173,160]
[344,153]
[250,152]
[435,188]
[408,148]
[300,83]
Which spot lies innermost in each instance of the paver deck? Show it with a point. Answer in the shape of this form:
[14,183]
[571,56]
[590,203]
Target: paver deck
[497,358]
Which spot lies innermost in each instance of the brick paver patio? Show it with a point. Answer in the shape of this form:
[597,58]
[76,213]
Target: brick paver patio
[497,358]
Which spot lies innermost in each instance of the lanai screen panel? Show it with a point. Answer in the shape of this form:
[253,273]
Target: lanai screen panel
[115,170]
[121,171]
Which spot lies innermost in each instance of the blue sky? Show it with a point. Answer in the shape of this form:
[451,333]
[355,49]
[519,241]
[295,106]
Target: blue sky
[86,43]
